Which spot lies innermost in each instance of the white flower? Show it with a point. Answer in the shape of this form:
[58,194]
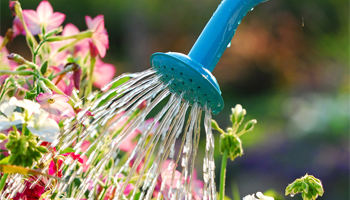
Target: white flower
[259,196]
[29,106]
[11,118]
[42,126]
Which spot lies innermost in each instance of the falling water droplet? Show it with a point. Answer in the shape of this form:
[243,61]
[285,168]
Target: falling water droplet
[229,45]
[239,22]
[251,9]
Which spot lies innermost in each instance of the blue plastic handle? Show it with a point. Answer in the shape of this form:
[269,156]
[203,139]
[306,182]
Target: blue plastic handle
[219,31]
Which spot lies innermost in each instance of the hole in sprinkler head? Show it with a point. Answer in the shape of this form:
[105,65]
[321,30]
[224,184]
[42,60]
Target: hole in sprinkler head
[181,73]
[192,90]
[166,76]
[205,94]
[183,83]
[172,69]
[190,80]
[174,84]
[208,101]
[199,87]
[164,67]
[180,91]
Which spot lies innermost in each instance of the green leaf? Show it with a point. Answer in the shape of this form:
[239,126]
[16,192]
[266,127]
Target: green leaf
[67,150]
[5,161]
[43,67]
[116,84]
[30,95]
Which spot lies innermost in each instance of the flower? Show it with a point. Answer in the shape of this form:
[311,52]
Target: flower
[55,166]
[56,105]
[170,186]
[42,126]
[259,196]
[10,117]
[30,193]
[103,73]
[5,63]
[81,48]
[43,16]
[17,27]
[131,140]
[100,36]
[29,106]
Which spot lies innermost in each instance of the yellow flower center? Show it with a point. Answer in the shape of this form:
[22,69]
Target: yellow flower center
[50,101]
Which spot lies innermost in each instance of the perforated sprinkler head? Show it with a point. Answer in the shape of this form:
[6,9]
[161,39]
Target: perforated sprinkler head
[190,74]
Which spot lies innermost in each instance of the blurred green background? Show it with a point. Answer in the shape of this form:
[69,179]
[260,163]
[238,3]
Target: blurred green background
[288,66]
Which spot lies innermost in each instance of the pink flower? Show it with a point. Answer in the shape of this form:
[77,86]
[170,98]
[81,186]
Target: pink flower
[56,105]
[30,193]
[43,16]
[103,73]
[55,166]
[167,173]
[81,48]
[100,36]
[5,63]
[17,27]
[131,140]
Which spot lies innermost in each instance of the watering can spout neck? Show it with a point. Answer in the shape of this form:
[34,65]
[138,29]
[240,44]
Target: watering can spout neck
[218,32]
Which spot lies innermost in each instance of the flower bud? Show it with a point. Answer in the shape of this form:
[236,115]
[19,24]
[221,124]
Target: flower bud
[215,126]
[3,136]
[308,185]
[17,58]
[12,7]
[54,32]
[42,149]
[250,125]
[109,164]
[43,67]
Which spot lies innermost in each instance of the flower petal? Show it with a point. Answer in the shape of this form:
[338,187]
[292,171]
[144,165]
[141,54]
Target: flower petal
[55,20]
[44,11]
[60,98]
[43,97]
[32,21]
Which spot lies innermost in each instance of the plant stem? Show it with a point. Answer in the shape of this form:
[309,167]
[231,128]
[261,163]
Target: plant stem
[91,71]
[3,181]
[21,73]
[223,175]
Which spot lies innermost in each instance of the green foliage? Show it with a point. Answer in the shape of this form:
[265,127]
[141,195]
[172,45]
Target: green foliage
[309,187]
[24,149]
[230,140]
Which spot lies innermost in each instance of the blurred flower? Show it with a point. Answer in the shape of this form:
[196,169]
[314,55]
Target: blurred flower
[80,48]
[197,187]
[110,193]
[259,196]
[100,36]
[17,27]
[30,193]
[56,104]
[42,126]
[5,63]
[29,106]
[43,16]
[103,73]
[131,140]
[55,166]
[10,117]
[169,182]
